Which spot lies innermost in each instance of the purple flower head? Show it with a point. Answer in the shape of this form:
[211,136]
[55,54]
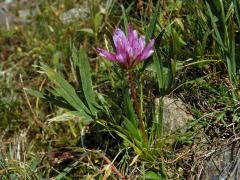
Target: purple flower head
[129,50]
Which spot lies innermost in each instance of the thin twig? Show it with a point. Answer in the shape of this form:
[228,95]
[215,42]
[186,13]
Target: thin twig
[109,162]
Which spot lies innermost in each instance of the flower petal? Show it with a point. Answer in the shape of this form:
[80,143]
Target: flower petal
[122,46]
[147,51]
[132,35]
[138,47]
[119,39]
[142,43]
[130,50]
[122,51]
[106,54]
[121,59]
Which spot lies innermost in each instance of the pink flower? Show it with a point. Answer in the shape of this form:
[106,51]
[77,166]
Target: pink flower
[129,50]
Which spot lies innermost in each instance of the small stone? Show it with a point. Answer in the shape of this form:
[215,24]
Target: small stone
[79,13]
[175,114]
[24,14]
[5,16]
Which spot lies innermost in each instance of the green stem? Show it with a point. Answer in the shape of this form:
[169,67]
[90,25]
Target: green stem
[136,105]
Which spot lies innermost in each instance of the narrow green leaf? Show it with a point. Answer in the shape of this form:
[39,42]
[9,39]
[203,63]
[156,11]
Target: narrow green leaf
[58,101]
[158,116]
[128,107]
[133,130]
[159,38]
[87,31]
[56,58]
[72,115]
[86,81]
[159,71]
[237,11]
[153,22]
[217,33]
[150,175]
[133,145]
[65,89]
[97,21]
[125,19]
[151,29]
[35,93]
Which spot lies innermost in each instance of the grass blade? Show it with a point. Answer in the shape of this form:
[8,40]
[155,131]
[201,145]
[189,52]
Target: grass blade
[153,22]
[86,81]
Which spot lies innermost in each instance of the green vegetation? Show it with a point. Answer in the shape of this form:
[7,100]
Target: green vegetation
[67,113]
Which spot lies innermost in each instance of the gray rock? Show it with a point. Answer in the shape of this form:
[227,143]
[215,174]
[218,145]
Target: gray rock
[9,1]
[175,114]
[224,164]
[79,13]
[24,14]
[5,16]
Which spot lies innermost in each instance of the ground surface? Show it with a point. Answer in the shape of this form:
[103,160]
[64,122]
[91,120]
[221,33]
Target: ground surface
[194,87]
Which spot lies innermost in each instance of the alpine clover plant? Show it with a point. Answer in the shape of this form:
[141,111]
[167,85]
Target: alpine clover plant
[130,50]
